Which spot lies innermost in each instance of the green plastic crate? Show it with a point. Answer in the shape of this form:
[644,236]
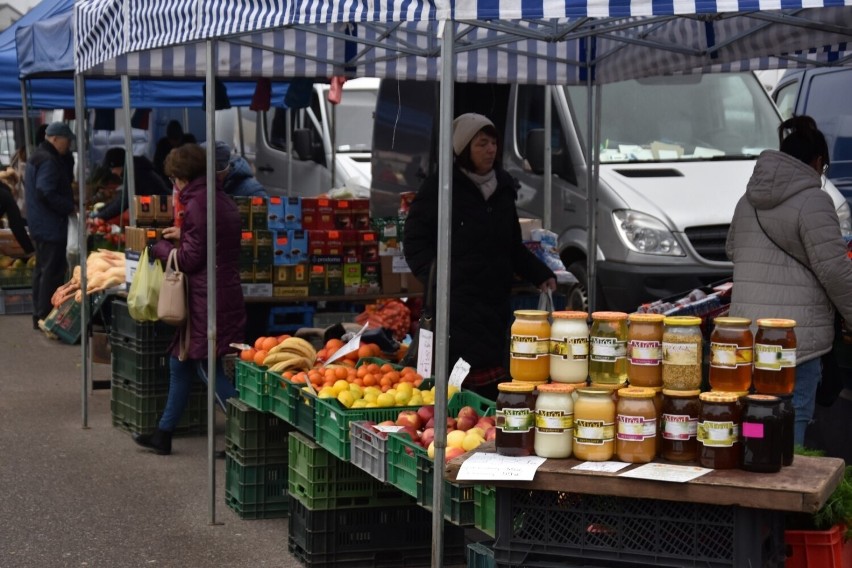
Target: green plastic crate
[402,463]
[255,437]
[485,509]
[16,301]
[458,499]
[16,277]
[481,555]
[279,400]
[320,481]
[482,405]
[256,492]
[301,407]
[140,414]
[253,384]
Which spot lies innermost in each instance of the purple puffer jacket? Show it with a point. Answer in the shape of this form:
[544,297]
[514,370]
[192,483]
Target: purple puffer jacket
[192,261]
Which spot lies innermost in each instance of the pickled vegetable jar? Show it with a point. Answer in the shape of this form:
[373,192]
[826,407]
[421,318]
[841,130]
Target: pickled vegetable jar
[719,430]
[775,356]
[594,425]
[682,343]
[530,346]
[569,347]
[636,425]
[679,428]
[763,433]
[731,346]
[608,348]
[554,420]
[515,419]
[645,350]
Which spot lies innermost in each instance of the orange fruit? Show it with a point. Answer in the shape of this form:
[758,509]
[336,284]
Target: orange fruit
[281,338]
[269,343]
[386,368]
[333,344]
[369,380]
[248,354]
[341,372]
[365,351]
[259,357]
[258,343]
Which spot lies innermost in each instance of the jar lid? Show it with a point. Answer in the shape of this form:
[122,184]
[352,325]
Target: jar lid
[531,314]
[762,399]
[593,391]
[682,320]
[776,322]
[636,392]
[727,320]
[646,318]
[739,394]
[571,315]
[608,386]
[609,316]
[561,388]
[515,387]
[719,396]
[657,390]
[681,394]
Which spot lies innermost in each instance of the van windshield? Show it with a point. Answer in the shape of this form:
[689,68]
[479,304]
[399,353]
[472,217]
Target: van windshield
[691,117]
[354,116]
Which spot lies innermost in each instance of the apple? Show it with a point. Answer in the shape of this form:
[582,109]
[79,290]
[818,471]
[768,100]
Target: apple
[486,420]
[386,423]
[426,413]
[490,434]
[452,453]
[409,418]
[469,412]
[430,423]
[451,424]
[427,436]
[465,423]
[410,432]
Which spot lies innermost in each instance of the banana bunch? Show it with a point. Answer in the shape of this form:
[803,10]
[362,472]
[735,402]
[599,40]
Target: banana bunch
[292,354]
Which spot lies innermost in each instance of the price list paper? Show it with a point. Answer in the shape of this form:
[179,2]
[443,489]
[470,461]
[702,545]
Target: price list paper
[667,472]
[486,467]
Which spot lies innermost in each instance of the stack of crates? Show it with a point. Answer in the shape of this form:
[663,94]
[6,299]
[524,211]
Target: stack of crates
[342,516]
[140,376]
[256,462]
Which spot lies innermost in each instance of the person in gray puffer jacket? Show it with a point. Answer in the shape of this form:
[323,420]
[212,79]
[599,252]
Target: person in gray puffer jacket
[789,256]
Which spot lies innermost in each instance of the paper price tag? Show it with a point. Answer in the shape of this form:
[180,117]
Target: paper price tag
[424,353]
[483,466]
[388,428]
[459,373]
[352,345]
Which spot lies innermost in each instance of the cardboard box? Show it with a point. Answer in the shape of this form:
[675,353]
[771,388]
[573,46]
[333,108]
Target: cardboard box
[325,214]
[263,247]
[244,208]
[259,213]
[134,238]
[389,234]
[298,246]
[100,348]
[527,226]
[317,280]
[343,219]
[290,291]
[143,209]
[262,273]
[369,245]
[317,243]
[275,219]
[296,275]
[371,277]
[281,248]
[293,213]
[257,290]
[334,279]
[352,278]
[351,251]
[397,277]
[360,214]
[164,211]
[131,263]
[310,213]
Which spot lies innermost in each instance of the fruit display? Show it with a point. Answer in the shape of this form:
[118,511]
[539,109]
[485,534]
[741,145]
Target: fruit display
[370,385]
[104,269]
[392,315]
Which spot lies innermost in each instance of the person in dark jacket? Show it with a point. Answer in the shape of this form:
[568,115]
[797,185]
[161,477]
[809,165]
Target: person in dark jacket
[174,137]
[9,208]
[187,166]
[235,173]
[50,200]
[487,251]
[147,182]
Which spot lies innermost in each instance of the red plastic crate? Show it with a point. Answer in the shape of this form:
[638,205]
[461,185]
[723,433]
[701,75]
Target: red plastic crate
[815,549]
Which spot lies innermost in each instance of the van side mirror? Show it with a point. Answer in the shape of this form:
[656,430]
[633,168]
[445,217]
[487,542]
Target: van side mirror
[535,150]
[303,144]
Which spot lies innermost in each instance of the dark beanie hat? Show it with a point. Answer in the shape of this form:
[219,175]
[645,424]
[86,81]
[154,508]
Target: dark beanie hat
[114,158]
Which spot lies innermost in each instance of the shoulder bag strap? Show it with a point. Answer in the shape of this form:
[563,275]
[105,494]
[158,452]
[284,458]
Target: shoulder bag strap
[759,224]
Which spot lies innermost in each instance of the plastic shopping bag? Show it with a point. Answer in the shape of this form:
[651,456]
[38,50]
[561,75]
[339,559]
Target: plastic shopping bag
[144,292]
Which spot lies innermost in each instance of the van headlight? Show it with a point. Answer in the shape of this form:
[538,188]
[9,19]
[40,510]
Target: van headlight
[645,234]
[845,216]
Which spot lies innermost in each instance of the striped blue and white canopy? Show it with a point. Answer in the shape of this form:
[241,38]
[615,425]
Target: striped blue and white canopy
[527,41]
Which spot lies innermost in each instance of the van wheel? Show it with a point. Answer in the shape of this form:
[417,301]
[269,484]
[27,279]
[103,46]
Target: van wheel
[578,299]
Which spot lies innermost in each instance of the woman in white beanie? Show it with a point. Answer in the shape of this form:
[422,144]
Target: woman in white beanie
[487,251]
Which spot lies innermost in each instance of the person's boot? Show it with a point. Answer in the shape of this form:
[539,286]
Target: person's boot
[159,440]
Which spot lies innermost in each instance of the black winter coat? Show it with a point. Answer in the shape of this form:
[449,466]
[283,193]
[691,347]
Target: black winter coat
[487,251]
[147,183]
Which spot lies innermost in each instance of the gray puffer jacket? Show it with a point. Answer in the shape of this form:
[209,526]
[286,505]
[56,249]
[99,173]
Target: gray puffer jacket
[787,195]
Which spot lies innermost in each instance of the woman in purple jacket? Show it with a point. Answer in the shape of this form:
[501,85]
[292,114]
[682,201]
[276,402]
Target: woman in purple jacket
[186,167]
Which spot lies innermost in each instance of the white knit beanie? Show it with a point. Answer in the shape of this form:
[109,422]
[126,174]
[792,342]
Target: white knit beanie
[465,128]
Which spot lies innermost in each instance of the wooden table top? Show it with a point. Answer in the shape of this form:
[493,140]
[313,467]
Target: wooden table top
[802,487]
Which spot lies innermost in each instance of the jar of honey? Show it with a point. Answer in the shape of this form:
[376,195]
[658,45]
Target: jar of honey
[569,347]
[515,419]
[679,428]
[775,356]
[529,346]
[682,351]
[731,346]
[594,425]
[608,348]
[554,420]
[763,433]
[645,350]
[718,433]
[636,425]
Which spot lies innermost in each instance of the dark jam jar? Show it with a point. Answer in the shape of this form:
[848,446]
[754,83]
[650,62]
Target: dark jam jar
[679,425]
[718,433]
[762,433]
[788,421]
[515,419]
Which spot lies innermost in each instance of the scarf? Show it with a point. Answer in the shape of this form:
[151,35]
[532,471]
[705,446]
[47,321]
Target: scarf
[486,183]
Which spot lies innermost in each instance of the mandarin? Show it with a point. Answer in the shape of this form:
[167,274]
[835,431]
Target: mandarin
[248,354]
[258,343]
[259,357]
[269,343]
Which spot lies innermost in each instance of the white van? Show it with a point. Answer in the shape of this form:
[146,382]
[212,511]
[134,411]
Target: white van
[676,154]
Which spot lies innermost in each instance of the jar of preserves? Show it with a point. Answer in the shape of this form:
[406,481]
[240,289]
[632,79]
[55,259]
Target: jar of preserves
[679,429]
[554,420]
[775,356]
[529,346]
[515,419]
[611,389]
[636,425]
[608,348]
[569,347]
[731,346]
[594,425]
[718,433]
[763,433]
[682,344]
[645,350]
[788,423]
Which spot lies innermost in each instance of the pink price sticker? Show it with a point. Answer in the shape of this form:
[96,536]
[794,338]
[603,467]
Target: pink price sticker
[752,430]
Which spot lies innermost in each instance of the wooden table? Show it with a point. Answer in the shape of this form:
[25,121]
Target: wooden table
[354,298]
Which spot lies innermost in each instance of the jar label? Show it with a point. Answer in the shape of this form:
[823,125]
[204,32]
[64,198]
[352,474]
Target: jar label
[529,347]
[636,428]
[644,352]
[593,432]
[681,353]
[570,348]
[679,427]
[607,349]
[553,421]
[773,357]
[718,434]
[752,430]
[729,355]
[514,420]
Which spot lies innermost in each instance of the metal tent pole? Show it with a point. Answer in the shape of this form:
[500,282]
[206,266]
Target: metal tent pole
[25,108]
[80,109]
[129,169]
[591,191]
[547,222]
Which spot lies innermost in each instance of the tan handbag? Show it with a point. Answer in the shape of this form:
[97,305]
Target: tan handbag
[171,307]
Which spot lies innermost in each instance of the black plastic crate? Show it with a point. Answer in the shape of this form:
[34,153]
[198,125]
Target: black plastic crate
[140,414]
[255,437]
[141,332]
[256,491]
[375,536]
[549,528]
